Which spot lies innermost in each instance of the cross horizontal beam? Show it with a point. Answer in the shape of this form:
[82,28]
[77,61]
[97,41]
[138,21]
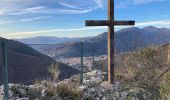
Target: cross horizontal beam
[108,23]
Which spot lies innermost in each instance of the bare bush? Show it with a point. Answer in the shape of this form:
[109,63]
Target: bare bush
[144,69]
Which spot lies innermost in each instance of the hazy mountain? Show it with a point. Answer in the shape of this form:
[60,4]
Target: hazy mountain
[127,39]
[47,40]
[25,63]
[130,39]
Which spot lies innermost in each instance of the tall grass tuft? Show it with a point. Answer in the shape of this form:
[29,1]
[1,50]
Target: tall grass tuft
[54,71]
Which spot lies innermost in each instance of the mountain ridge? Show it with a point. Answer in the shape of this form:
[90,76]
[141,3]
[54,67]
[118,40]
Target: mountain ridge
[127,39]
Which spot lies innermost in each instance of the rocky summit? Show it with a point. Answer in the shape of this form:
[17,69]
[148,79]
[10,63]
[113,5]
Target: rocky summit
[93,88]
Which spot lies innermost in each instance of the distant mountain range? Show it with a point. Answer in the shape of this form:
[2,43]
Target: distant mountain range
[48,40]
[128,39]
[26,64]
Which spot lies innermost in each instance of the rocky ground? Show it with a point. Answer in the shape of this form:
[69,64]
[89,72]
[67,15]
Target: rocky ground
[93,88]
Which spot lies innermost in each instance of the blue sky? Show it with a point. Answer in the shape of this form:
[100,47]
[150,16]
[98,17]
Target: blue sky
[66,18]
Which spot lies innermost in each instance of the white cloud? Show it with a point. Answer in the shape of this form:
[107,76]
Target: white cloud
[32,19]
[23,20]
[158,23]
[20,7]
[55,30]
[145,1]
[100,3]
[34,8]
[122,4]
[1,13]
[126,3]
[21,11]
[69,5]
[66,11]
[6,22]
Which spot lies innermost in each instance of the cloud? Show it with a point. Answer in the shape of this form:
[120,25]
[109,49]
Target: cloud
[145,1]
[1,12]
[122,4]
[66,11]
[69,5]
[127,3]
[23,20]
[20,7]
[100,3]
[32,19]
[12,10]
[158,23]
[45,10]
[55,30]
[6,22]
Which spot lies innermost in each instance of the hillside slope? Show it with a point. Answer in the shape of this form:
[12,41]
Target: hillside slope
[25,63]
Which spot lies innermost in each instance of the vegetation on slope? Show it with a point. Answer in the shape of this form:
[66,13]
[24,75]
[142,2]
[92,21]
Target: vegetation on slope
[147,69]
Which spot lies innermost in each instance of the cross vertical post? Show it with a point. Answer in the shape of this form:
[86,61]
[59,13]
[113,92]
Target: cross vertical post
[110,42]
[110,23]
[5,71]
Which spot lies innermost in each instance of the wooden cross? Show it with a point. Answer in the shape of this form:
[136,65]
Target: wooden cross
[110,23]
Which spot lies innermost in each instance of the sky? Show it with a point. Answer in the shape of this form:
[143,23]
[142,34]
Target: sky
[66,18]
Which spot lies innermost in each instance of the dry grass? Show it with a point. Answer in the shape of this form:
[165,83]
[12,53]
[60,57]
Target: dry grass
[65,90]
[54,71]
[68,92]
